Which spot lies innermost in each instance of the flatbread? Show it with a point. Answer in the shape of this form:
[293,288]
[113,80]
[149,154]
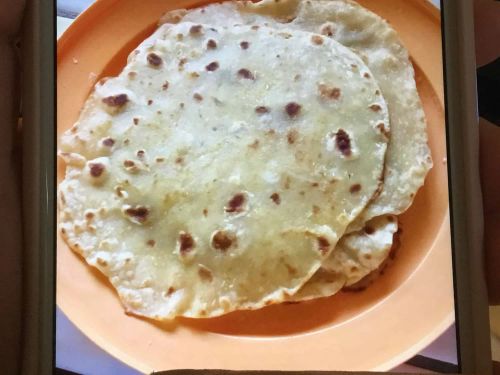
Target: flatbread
[408,157]
[372,38]
[219,169]
[356,256]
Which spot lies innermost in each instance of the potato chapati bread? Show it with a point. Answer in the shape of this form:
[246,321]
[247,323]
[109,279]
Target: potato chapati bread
[219,169]
[408,157]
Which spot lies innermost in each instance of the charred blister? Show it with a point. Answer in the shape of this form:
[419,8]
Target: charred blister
[237,204]
[244,45]
[211,44]
[275,197]
[261,110]
[115,103]
[186,246]
[246,74]
[375,107]
[355,188]
[343,142]
[97,170]
[154,60]
[323,245]
[196,30]
[223,240]
[212,67]
[136,214]
[293,109]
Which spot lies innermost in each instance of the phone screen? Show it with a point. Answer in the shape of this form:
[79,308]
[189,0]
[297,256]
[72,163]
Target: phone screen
[253,186]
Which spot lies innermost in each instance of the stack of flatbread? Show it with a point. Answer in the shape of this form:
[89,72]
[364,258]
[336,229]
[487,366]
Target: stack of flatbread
[248,154]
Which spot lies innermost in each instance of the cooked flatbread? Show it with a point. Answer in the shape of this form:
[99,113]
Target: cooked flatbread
[372,38]
[408,157]
[219,169]
[356,255]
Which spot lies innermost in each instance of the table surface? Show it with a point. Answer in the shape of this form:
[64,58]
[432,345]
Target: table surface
[76,352]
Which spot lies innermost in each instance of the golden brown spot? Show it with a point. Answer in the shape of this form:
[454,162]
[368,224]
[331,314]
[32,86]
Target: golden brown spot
[366,75]
[89,215]
[262,110]
[223,240]
[293,109]
[315,209]
[355,188]
[254,145]
[244,45]
[102,262]
[150,101]
[96,169]
[204,273]
[302,192]
[165,85]
[316,39]
[367,256]
[236,203]
[170,291]
[286,184]
[196,30]
[160,160]
[315,184]
[179,160]
[63,231]
[271,132]
[132,75]
[211,44]
[328,92]
[128,164]
[292,271]
[354,269]
[246,74]
[151,243]
[377,92]
[116,100]
[205,212]
[154,60]
[268,302]
[285,35]
[197,97]
[292,136]
[255,27]
[323,245]
[213,66]
[140,154]
[186,243]
[276,198]
[375,107]
[136,121]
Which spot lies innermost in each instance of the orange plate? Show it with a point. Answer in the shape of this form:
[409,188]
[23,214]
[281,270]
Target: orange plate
[377,329]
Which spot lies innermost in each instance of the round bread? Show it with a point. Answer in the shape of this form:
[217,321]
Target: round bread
[408,157]
[219,169]
[375,41]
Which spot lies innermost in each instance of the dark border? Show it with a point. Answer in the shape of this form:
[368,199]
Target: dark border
[471,306]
